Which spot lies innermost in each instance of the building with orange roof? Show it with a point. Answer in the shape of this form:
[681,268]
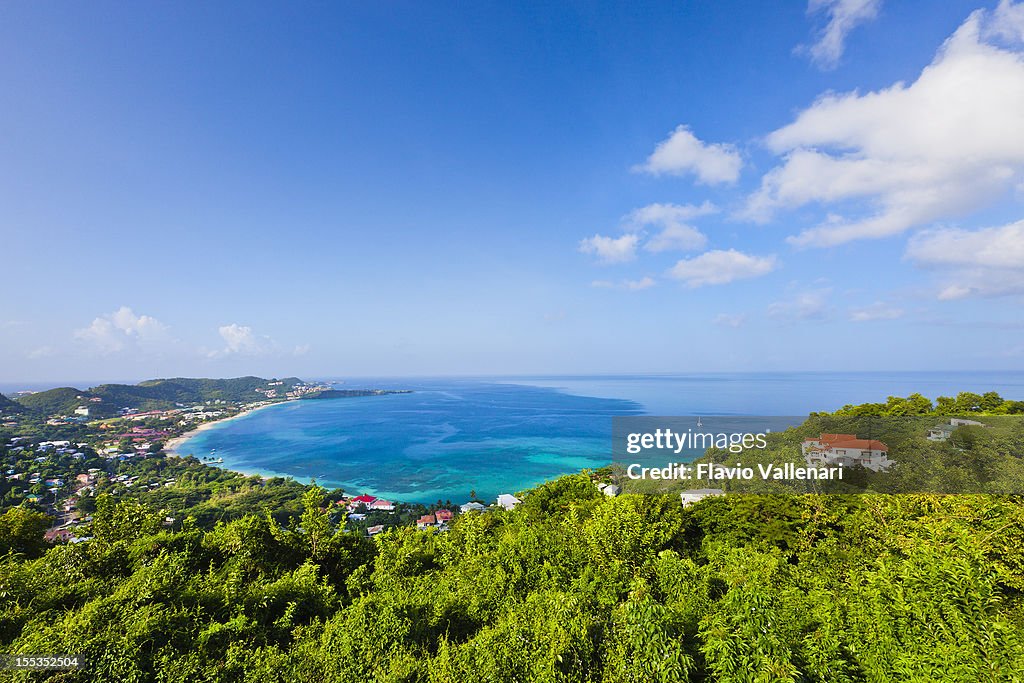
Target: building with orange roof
[847,450]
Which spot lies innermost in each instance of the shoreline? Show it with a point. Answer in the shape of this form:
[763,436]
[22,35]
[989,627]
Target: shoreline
[173,445]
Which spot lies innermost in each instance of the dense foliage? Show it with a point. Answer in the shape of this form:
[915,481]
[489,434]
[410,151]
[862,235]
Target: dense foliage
[966,402]
[569,586]
[9,407]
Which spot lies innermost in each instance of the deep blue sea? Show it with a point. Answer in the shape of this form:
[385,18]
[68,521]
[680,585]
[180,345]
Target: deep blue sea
[489,436]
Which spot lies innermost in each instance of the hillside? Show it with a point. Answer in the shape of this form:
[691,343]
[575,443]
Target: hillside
[8,406]
[237,390]
[59,401]
[570,586]
[150,395]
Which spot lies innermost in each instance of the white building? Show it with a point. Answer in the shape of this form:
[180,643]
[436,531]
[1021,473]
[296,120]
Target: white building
[830,450]
[82,410]
[696,495]
[508,501]
[943,432]
[473,505]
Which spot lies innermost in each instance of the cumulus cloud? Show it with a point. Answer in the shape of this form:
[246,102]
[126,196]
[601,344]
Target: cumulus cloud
[720,267]
[1007,22]
[630,285]
[907,155]
[842,17]
[123,328]
[675,234]
[812,305]
[876,311]
[682,153]
[241,340]
[985,262]
[611,249]
[729,320]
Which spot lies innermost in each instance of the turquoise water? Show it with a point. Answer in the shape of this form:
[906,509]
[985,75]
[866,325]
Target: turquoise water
[451,437]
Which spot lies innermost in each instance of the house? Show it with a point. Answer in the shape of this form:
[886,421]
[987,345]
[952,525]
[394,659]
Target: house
[362,500]
[472,505]
[610,490]
[508,501]
[425,521]
[443,516]
[374,530]
[696,495]
[58,535]
[381,504]
[846,450]
[944,431]
[82,410]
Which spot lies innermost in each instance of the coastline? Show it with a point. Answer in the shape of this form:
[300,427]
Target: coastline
[173,446]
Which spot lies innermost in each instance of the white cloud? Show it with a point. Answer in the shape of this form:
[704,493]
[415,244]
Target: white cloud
[631,285]
[670,214]
[683,153]
[720,267]
[843,17]
[986,262]
[41,352]
[675,234]
[907,155]
[240,340]
[812,305]
[1001,247]
[677,238]
[876,311]
[1007,22]
[611,249]
[636,285]
[122,328]
[729,320]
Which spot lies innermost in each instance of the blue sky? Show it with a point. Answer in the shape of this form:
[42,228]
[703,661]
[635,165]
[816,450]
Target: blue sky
[495,188]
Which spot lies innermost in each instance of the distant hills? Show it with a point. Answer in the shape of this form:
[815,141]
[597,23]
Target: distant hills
[155,394]
[9,406]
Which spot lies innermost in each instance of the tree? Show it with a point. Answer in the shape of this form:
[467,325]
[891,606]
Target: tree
[991,401]
[127,519]
[968,402]
[22,531]
[316,522]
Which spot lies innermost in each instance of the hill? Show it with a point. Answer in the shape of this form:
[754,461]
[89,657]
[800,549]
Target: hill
[59,401]
[107,399]
[8,406]
[571,586]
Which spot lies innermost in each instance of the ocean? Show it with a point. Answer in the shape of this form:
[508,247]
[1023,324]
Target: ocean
[451,438]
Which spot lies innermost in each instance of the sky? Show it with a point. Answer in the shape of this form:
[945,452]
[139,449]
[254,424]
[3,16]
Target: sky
[403,188]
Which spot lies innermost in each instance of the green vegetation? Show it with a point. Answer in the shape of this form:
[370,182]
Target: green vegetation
[985,458]
[197,574]
[61,401]
[154,394]
[9,407]
[965,403]
[570,586]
